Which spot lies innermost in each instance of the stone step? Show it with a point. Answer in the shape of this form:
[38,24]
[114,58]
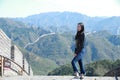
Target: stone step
[55,78]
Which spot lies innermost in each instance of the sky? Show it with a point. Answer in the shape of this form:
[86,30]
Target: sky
[23,8]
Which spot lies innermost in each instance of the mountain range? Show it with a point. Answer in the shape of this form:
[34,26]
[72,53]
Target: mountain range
[47,39]
[67,21]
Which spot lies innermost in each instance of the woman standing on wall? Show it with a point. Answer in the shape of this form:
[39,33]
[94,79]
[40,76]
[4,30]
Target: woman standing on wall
[79,51]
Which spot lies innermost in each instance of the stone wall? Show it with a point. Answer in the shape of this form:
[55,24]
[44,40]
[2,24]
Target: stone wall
[18,57]
[5,44]
[14,63]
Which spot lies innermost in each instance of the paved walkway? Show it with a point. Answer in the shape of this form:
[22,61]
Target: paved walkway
[54,78]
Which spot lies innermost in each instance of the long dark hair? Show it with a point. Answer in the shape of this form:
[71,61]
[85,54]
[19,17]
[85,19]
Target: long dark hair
[82,27]
[81,31]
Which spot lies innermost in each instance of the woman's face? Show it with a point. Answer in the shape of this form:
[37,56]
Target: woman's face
[78,28]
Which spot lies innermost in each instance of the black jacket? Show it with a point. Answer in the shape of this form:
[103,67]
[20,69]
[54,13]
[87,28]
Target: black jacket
[80,39]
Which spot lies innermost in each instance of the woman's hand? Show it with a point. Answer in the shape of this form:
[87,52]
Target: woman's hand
[75,54]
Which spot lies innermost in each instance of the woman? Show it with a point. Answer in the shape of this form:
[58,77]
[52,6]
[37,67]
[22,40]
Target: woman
[79,51]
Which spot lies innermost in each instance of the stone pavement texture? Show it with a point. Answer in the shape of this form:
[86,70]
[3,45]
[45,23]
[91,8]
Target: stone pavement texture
[55,78]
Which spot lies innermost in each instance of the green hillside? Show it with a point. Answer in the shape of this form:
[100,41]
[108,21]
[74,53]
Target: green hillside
[61,47]
[99,46]
[19,32]
[40,65]
[55,47]
[52,51]
[98,68]
[21,35]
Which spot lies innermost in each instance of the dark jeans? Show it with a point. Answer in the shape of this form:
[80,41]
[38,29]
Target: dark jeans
[78,59]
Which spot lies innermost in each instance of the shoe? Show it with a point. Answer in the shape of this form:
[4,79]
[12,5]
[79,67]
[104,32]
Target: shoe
[82,76]
[76,75]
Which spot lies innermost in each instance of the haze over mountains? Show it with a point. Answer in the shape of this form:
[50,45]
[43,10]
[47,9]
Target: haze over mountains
[66,21]
[52,51]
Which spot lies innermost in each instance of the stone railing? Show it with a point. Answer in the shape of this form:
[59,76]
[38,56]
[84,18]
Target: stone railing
[12,68]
